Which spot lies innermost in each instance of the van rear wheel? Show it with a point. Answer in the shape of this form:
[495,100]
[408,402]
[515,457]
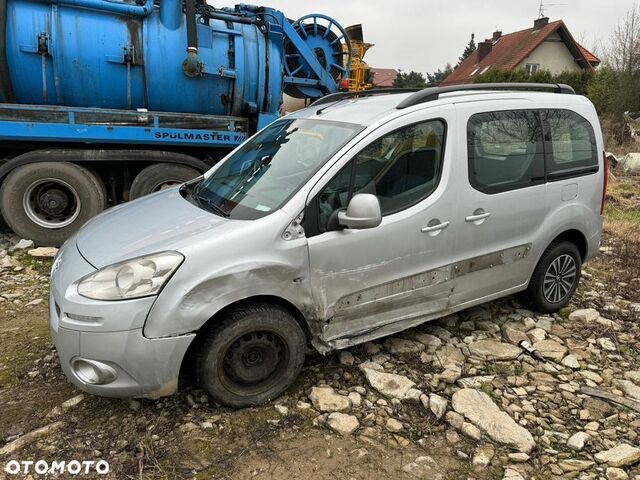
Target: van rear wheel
[251,356]
[556,278]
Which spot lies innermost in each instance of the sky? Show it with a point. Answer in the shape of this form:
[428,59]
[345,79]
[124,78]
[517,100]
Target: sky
[425,35]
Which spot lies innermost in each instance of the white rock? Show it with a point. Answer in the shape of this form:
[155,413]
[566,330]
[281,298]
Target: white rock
[512,474]
[451,374]
[550,349]
[429,341]
[577,440]
[479,409]
[614,473]
[633,375]
[482,456]
[629,388]
[494,350]
[394,426]
[388,384]
[475,382]
[282,410]
[448,356]
[619,456]
[72,402]
[537,335]
[342,423]
[571,361]
[43,252]
[585,315]
[326,399]
[356,399]
[346,358]
[437,405]
[607,344]
[471,431]
[519,457]
[35,302]
[23,244]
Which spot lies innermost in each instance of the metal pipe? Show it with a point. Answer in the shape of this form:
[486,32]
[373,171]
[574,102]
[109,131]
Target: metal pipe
[171,14]
[6,88]
[113,6]
[191,65]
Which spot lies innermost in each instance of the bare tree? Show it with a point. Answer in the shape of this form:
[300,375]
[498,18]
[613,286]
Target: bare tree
[623,52]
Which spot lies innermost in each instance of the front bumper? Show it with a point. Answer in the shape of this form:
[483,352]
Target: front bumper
[109,336]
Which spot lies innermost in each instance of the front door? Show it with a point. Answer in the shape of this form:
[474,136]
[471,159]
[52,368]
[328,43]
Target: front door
[373,282]
[502,201]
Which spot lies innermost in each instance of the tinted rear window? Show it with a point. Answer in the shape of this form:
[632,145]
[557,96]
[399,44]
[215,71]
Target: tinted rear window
[571,141]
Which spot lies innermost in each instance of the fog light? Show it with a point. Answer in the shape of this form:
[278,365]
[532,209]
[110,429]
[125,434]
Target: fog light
[93,372]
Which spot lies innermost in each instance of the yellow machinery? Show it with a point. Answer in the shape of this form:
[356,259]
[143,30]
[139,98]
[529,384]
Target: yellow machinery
[359,68]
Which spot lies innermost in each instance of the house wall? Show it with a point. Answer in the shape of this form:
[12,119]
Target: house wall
[552,55]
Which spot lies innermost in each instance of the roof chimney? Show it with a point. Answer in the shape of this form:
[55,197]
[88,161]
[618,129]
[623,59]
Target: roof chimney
[540,23]
[496,35]
[484,49]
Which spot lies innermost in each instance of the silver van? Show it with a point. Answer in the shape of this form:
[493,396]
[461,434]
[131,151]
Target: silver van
[356,218]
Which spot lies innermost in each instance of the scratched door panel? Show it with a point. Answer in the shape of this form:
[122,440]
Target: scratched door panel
[365,279]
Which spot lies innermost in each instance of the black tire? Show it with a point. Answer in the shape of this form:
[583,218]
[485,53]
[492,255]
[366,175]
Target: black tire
[251,356]
[157,176]
[549,296]
[77,195]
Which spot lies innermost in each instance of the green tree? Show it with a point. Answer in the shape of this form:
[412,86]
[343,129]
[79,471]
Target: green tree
[468,50]
[434,79]
[410,80]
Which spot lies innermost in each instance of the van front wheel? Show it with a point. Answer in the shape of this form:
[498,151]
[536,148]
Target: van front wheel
[251,356]
[556,278]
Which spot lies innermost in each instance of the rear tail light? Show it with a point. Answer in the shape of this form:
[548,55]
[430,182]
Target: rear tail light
[344,84]
[605,182]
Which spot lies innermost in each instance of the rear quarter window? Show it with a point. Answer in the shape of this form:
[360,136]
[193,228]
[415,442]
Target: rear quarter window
[570,142]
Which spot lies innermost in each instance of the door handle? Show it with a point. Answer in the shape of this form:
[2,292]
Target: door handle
[435,228]
[477,216]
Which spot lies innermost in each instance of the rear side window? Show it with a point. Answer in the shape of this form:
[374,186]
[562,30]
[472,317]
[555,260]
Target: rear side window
[505,150]
[571,144]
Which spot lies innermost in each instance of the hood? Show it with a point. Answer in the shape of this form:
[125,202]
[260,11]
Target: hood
[158,222]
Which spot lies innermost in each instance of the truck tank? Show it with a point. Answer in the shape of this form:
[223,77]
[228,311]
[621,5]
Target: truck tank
[167,57]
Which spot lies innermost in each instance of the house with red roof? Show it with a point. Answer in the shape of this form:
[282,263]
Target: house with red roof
[545,46]
[384,77]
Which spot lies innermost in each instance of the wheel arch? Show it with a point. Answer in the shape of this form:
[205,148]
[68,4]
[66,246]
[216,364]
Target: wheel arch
[190,356]
[574,236]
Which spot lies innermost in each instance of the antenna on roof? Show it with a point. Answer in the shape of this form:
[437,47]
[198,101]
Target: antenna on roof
[544,5]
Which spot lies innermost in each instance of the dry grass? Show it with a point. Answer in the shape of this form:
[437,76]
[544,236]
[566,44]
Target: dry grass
[622,234]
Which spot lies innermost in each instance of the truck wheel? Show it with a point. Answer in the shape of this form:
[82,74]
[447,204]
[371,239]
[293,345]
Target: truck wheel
[159,176]
[556,278]
[47,202]
[252,355]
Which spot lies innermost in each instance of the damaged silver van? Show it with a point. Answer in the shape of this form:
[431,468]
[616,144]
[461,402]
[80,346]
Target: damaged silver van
[356,218]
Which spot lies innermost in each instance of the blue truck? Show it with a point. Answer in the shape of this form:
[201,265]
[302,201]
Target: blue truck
[103,101]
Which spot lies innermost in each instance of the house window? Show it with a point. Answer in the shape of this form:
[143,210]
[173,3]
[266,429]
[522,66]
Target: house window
[532,68]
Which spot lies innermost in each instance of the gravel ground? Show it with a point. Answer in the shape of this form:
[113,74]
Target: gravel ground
[452,399]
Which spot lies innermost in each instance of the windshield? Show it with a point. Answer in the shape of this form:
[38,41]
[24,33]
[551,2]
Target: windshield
[267,170]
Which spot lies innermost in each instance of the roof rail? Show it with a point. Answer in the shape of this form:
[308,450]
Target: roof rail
[336,97]
[433,93]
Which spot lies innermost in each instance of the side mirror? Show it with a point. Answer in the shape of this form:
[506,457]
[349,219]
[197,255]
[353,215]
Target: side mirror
[362,212]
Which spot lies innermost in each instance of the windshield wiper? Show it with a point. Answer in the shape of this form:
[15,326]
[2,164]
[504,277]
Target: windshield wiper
[204,201]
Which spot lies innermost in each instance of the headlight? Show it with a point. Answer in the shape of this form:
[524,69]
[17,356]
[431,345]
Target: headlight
[138,277]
